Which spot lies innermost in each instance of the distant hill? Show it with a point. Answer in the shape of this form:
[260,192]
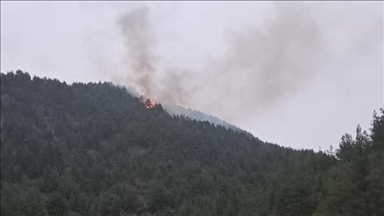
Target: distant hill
[92,149]
[194,114]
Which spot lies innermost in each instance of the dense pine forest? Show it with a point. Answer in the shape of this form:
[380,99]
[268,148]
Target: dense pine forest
[93,149]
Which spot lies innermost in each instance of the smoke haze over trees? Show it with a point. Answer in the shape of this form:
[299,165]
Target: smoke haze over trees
[262,65]
[248,63]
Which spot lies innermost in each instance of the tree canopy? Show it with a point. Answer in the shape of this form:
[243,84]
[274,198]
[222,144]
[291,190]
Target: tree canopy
[93,149]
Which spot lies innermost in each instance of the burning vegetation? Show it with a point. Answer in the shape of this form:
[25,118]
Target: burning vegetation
[149,104]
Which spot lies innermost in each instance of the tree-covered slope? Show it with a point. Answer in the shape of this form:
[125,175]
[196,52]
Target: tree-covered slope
[93,149]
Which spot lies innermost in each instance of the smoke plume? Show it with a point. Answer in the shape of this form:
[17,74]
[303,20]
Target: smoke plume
[140,49]
[262,67]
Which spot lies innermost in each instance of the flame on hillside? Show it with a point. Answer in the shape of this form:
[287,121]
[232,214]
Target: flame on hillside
[149,104]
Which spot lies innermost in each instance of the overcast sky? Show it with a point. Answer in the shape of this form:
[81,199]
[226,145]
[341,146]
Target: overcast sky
[80,41]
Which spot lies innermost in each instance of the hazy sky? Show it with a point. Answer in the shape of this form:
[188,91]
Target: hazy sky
[81,41]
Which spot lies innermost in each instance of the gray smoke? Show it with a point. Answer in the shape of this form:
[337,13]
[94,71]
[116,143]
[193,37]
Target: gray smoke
[262,67]
[142,69]
[140,49]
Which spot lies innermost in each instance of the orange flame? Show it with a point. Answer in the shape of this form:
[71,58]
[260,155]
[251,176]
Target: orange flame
[149,104]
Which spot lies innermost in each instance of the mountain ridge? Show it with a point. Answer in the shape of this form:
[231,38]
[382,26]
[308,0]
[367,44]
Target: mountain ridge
[92,149]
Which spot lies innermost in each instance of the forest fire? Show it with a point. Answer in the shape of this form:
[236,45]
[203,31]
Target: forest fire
[149,104]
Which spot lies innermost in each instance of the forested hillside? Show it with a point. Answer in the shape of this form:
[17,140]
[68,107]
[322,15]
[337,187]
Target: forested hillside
[92,149]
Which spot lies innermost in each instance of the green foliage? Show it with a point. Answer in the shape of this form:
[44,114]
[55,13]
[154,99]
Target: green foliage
[56,205]
[355,186]
[93,149]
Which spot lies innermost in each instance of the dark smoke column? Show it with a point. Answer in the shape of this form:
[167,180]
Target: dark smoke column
[139,45]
